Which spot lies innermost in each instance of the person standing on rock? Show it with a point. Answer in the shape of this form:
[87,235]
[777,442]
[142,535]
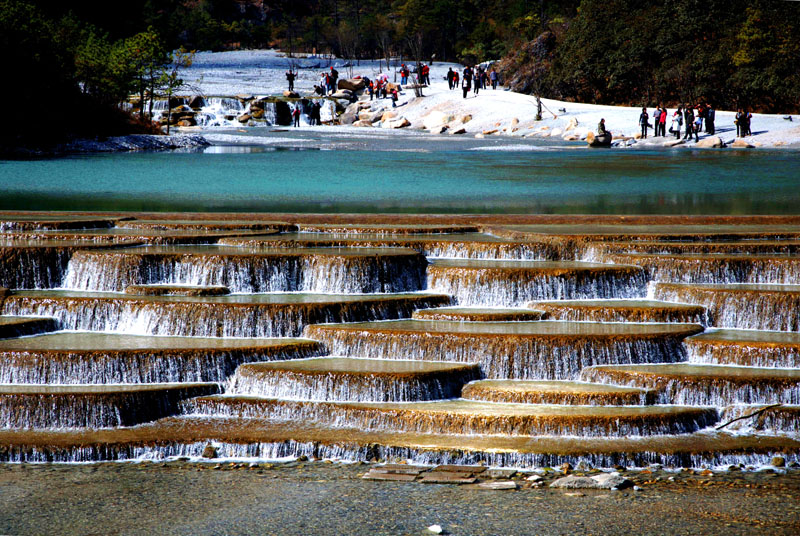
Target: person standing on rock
[643,121]
[656,115]
[739,122]
[394,97]
[677,121]
[334,79]
[403,74]
[662,122]
[290,76]
[296,115]
[711,116]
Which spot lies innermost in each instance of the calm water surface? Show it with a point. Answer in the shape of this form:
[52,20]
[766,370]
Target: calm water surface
[315,174]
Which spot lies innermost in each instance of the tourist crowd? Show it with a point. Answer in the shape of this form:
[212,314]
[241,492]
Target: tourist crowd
[691,120]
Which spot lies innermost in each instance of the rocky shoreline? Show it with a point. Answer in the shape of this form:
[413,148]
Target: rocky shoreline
[114,144]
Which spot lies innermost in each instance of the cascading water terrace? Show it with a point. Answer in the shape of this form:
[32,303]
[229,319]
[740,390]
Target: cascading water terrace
[510,284]
[518,350]
[251,315]
[523,357]
[356,380]
[241,270]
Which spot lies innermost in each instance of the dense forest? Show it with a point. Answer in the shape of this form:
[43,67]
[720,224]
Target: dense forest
[732,53]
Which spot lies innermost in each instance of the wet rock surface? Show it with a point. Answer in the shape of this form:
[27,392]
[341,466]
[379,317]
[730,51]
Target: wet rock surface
[181,497]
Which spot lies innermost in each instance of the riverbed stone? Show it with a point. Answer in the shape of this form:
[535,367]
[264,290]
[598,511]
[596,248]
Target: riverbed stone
[778,461]
[713,142]
[574,482]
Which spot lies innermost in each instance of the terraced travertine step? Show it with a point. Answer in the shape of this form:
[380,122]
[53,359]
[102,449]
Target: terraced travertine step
[556,392]
[253,438]
[583,233]
[79,358]
[478,314]
[714,268]
[712,385]
[597,252]
[465,417]
[127,237]
[19,326]
[456,245]
[176,290]
[17,222]
[357,380]
[783,419]
[745,347]
[517,350]
[93,406]
[249,270]
[613,310]
[242,315]
[36,264]
[513,283]
[209,225]
[769,307]
[401,229]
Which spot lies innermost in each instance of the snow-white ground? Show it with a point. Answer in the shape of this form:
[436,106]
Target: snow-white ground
[493,112]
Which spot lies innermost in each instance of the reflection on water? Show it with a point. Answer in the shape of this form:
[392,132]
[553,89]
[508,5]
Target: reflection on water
[408,174]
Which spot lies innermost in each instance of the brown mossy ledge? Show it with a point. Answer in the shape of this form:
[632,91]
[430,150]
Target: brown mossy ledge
[513,283]
[466,417]
[458,245]
[247,270]
[248,438]
[744,306]
[37,223]
[78,358]
[478,314]
[37,263]
[650,231]
[783,418]
[760,247]
[378,228]
[357,380]
[130,237]
[242,315]
[745,347]
[556,392]
[19,326]
[93,406]
[209,225]
[176,290]
[714,268]
[709,385]
[621,311]
[513,350]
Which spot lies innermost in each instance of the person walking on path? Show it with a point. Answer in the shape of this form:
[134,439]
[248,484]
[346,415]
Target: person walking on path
[662,122]
[455,80]
[688,119]
[394,97]
[476,81]
[290,76]
[493,78]
[450,75]
[466,83]
[643,117]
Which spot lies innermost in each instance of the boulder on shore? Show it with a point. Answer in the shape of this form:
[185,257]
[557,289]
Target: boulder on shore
[362,124]
[436,119]
[388,115]
[291,94]
[351,84]
[399,123]
[714,142]
[741,144]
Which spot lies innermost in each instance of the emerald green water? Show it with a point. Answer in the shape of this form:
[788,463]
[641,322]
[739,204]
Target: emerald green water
[422,178]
